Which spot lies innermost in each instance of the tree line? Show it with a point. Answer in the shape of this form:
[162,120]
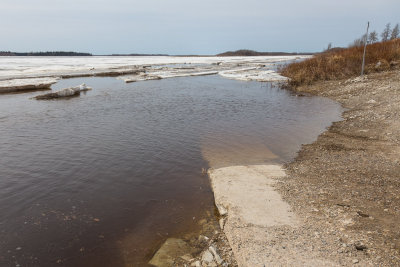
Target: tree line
[49,53]
[387,34]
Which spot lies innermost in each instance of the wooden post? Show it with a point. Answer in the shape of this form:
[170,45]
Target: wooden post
[365,48]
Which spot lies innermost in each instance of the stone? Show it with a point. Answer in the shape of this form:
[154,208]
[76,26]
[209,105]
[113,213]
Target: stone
[222,211]
[207,257]
[186,257]
[216,256]
[221,223]
[360,246]
[169,251]
[203,238]
[196,264]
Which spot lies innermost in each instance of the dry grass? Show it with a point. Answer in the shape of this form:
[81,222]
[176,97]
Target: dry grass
[343,63]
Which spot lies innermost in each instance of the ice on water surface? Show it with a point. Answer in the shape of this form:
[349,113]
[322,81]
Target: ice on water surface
[21,73]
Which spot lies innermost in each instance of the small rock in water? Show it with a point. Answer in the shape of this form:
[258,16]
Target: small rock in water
[203,238]
[216,256]
[207,257]
[222,211]
[186,257]
[170,250]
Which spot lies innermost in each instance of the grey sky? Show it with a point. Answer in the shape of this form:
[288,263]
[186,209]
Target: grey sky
[188,26]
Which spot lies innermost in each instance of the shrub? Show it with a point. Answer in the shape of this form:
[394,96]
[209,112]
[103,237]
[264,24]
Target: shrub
[342,63]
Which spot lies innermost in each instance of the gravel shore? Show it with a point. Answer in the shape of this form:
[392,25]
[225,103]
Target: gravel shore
[346,185]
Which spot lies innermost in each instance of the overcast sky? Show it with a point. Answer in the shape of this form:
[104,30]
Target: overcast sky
[188,26]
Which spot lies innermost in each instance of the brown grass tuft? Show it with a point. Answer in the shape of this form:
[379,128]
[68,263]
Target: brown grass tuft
[345,63]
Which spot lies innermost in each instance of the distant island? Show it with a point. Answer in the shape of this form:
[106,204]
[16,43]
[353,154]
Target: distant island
[237,53]
[45,54]
[251,53]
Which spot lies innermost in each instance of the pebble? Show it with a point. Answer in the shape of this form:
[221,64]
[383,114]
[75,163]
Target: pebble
[355,261]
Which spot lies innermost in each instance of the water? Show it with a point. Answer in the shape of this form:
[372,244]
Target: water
[103,179]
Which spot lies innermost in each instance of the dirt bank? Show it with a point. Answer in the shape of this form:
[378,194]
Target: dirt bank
[346,185]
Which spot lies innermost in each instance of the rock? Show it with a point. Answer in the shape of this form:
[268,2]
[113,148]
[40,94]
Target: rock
[355,261]
[196,264]
[67,92]
[222,211]
[186,257]
[203,238]
[360,246]
[171,249]
[382,65]
[221,223]
[216,256]
[207,257]
[371,101]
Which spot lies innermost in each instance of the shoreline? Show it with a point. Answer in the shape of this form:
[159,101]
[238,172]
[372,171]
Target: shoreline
[343,189]
[346,184]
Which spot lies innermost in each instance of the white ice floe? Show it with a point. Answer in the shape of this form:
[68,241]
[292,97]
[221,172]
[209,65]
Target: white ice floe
[13,69]
[254,75]
[16,85]
[67,92]
[186,74]
[156,75]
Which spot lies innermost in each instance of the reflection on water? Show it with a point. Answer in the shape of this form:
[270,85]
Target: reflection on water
[102,179]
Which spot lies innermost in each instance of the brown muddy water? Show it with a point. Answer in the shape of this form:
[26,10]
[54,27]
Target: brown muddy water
[103,179]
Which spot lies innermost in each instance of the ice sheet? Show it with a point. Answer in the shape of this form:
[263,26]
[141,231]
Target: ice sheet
[132,68]
[15,85]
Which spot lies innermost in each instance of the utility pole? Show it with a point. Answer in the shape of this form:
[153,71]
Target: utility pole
[365,48]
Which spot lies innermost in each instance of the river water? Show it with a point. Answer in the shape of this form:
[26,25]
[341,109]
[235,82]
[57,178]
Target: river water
[104,178]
